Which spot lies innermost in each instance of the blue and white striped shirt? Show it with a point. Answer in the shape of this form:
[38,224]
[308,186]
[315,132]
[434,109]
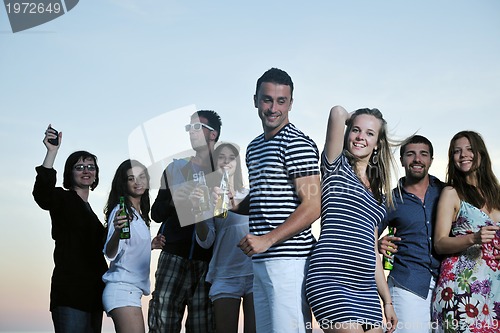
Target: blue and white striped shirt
[272,167]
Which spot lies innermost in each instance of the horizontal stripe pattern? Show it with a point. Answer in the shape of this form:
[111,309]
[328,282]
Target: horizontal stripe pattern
[272,167]
[341,279]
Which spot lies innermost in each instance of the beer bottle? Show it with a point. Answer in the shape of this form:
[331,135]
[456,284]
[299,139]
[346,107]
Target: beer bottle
[388,262]
[222,204]
[205,200]
[125,231]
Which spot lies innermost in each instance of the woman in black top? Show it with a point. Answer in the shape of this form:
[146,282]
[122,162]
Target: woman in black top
[76,288]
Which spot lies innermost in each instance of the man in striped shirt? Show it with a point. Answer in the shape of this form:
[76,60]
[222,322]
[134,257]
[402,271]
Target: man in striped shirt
[284,201]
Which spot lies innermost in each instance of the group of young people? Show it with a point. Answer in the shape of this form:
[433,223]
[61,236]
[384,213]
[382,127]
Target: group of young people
[446,247]
[82,283]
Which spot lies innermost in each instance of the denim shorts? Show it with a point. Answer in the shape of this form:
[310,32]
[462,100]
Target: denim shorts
[235,287]
[117,295]
[71,320]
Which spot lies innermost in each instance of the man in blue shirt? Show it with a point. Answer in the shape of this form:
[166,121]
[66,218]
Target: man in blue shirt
[416,265]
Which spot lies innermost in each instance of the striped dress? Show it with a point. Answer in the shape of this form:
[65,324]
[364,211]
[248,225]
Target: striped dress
[272,167]
[340,284]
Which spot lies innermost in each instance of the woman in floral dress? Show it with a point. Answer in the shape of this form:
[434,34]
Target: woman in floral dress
[467,296]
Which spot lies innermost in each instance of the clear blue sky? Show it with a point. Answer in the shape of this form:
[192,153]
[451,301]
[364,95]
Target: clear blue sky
[108,66]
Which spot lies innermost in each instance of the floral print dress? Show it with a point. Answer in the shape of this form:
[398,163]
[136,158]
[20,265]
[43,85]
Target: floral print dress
[467,295]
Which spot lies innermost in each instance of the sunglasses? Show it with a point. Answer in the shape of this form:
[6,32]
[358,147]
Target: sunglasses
[81,167]
[197,127]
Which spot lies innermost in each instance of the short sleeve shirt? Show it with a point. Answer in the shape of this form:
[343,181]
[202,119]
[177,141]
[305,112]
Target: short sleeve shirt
[273,165]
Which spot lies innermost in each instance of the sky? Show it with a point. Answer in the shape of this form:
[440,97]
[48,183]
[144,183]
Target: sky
[113,75]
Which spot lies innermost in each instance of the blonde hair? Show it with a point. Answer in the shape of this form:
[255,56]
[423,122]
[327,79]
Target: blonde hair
[382,164]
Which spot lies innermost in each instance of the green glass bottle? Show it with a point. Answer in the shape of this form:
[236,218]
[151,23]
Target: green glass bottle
[389,262]
[125,231]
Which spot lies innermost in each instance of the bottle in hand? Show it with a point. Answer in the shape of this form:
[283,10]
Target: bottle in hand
[205,200]
[389,262]
[125,231]
[222,203]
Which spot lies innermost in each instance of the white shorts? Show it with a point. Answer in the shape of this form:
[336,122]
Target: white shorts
[280,297]
[413,312]
[235,287]
[117,295]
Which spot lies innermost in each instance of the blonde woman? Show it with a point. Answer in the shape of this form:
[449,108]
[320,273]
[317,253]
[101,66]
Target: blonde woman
[346,272]
[230,271]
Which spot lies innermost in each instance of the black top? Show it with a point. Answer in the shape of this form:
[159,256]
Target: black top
[79,240]
[180,241]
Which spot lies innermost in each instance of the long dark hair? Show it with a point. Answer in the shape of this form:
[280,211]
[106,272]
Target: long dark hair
[238,174]
[379,174]
[487,192]
[119,188]
[68,178]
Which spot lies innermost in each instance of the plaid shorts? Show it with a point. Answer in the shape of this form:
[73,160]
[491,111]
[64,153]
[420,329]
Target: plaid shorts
[179,283]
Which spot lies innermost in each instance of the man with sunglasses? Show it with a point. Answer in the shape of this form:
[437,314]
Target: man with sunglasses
[183,264]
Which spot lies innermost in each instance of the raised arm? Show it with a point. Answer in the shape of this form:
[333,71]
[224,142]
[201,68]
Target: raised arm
[334,143]
[45,182]
[50,156]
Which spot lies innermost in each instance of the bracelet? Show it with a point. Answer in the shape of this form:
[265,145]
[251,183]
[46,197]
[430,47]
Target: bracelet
[390,303]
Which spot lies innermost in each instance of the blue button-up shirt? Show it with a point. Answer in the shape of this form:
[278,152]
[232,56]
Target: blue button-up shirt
[416,262]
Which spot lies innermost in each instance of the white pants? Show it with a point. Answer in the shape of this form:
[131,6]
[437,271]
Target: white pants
[413,312]
[279,296]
